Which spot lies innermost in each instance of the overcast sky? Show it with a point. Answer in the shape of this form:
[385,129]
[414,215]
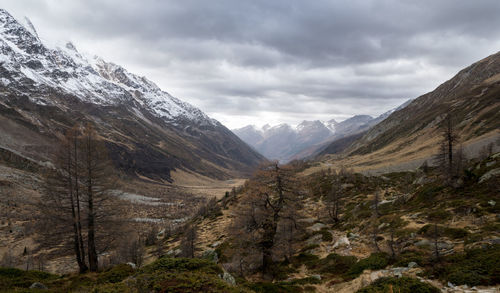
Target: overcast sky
[273,61]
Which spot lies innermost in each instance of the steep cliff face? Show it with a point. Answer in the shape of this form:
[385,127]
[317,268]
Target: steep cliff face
[44,90]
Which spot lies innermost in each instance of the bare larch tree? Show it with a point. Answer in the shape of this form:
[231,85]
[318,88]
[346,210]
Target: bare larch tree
[76,198]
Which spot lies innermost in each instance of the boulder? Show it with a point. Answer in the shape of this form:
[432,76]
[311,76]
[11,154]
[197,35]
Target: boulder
[39,286]
[307,220]
[444,245]
[314,240]
[316,227]
[489,174]
[347,185]
[342,242]
[317,277]
[173,252]
[423,242]
[211,255]
[383,225]
[228,278]
[398,272]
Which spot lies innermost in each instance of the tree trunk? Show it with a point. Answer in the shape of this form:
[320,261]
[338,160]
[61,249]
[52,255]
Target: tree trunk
[93,261]
[78,252]
[78,222]
[267,245]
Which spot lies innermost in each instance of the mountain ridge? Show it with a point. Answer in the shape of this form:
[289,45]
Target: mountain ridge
[410,136]
[46,90]
[285,143]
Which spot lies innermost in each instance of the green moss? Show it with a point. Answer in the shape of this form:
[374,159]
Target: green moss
[164,275]
[491,227]
[183,265]
[282,270]
[309,247]
[304,259]
[428,193]
[400,285]
[411,256]
[334,264]
[474,267]
[439,215]
[325,235]
[266,287]
[220,251]
[11,278]
[116,274]
[285,287]
[304,281]
[375,261]
[453,233]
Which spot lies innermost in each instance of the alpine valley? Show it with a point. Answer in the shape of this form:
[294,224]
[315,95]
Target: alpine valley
[110,184]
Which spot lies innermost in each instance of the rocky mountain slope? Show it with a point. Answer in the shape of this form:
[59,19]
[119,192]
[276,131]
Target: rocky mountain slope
[149,133]
[411,135]
[284,142]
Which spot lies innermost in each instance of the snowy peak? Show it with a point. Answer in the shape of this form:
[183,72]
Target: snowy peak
[331,125]
[310,125]
[23,39]
[284,142]
[27,61]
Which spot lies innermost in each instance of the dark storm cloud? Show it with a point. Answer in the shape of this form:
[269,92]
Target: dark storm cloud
[284,60]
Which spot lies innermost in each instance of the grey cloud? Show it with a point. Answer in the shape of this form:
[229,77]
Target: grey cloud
[295,59]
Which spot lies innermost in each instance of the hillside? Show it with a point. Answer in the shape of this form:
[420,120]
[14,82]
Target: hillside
[386,235]
[410,136]
[149,133]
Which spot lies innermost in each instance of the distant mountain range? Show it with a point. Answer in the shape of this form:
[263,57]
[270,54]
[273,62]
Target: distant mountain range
[148,132]
[284,142]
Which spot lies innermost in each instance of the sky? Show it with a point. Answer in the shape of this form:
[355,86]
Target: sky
[282,61]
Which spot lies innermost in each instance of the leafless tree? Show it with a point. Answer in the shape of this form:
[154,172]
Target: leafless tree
[375,217]
[131,249]
[76,199]
[267,208]
[188,241]
[446,157]
[334,199]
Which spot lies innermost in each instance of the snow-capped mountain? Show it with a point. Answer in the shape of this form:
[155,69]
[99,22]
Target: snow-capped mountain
[27,60]
[284,142]
[52,88]
[331,125]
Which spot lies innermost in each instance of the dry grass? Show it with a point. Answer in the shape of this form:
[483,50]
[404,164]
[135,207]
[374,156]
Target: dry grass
[391,159]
